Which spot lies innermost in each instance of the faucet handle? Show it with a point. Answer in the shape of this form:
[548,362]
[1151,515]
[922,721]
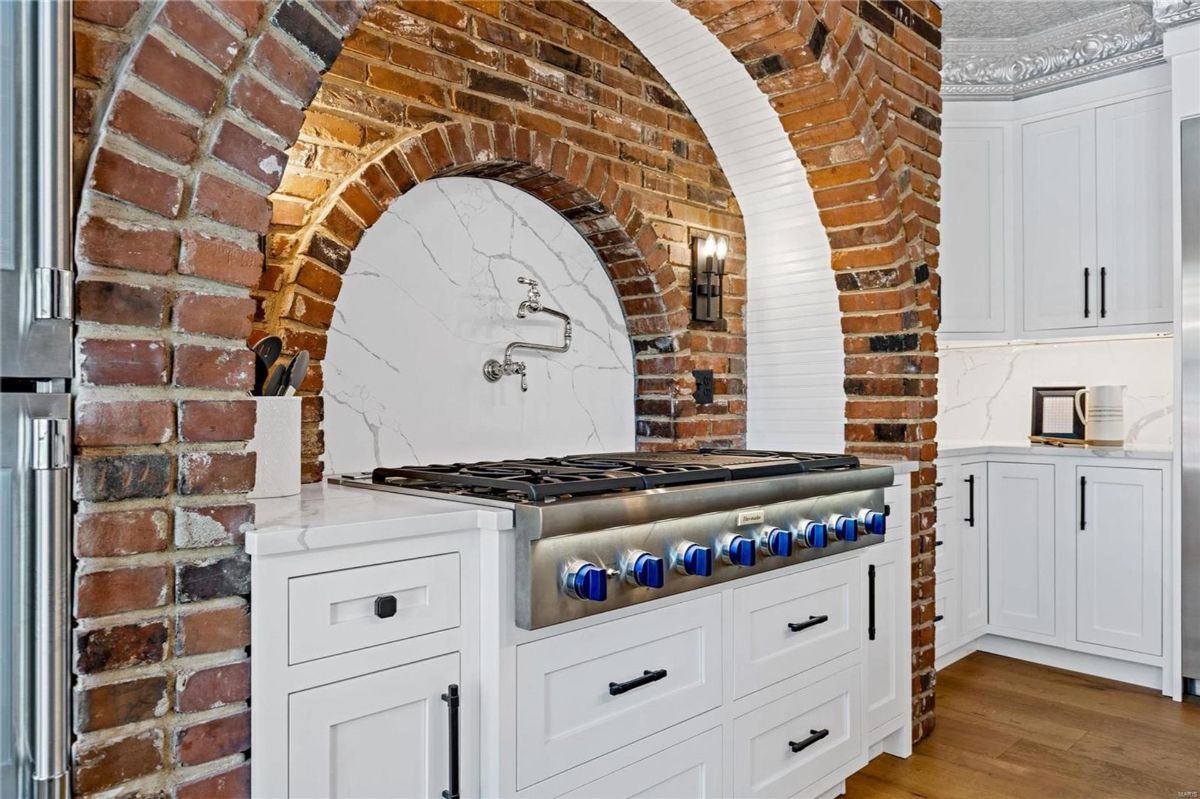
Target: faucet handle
[527,281]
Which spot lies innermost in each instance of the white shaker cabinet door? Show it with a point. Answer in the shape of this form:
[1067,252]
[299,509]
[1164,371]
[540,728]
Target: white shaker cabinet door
[1133,196]
[889,623]
[972,248]
[1021,580]
[973,550]
[688,770]
[1058,221]
[379,735]
[1118,558]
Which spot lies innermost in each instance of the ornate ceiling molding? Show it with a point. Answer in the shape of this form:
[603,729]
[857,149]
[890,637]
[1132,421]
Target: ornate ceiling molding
[1114,41]
[1169,13]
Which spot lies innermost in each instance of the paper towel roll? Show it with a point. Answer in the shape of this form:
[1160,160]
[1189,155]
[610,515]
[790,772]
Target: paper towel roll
[277,443]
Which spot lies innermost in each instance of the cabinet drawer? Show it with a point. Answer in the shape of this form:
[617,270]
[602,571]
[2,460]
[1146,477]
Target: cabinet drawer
[764,763]
[945,609]
[767,650]
[687,770]
[566,710]
[946,549]
[334,612]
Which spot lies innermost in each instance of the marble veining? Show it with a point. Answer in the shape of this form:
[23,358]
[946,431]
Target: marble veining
[430,295]
[984,393]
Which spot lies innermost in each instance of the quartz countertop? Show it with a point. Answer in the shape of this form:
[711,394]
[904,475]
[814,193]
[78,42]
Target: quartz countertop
[325,515]
[898,466]
[957,449]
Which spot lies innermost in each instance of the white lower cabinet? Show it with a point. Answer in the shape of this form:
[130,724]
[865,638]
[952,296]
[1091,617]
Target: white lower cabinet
[1118,559]
[972,549]
[785,746]
[688,770]
[363,737]
[1021,548]
[889,632]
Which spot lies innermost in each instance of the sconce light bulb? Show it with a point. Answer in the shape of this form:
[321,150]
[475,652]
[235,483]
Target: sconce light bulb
[710,245]
[722,248]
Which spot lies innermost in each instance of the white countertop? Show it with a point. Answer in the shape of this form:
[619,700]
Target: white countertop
[956,449]
[324,515]
[898,466]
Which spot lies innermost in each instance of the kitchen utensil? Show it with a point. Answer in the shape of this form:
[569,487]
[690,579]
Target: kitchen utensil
[266,352]
[271,387]
[1104,421]
[294,376]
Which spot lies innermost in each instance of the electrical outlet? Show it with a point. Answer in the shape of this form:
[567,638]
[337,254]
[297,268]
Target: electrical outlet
[704,386]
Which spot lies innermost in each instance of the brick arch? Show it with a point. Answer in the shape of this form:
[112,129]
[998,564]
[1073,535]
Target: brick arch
[566,177]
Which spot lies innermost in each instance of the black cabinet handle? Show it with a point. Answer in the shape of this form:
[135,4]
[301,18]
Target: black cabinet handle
[938,543]
[1103,292]
[813,737]
[938,618]
[1087,290]
[385,606]
[451,700]
[1082,503]
[618,688]
[813,621]
[970,481]
[871,602]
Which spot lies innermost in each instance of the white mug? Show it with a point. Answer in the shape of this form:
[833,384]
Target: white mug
[1104,422]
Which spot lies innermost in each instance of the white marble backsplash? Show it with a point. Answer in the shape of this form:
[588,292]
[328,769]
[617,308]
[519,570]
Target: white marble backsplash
[431,294]
[984,392]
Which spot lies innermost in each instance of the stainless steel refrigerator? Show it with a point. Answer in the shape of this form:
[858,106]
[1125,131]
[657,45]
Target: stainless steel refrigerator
[1190,398]
[36,331]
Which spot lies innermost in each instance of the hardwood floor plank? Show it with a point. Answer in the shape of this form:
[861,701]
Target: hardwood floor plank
[1006,728]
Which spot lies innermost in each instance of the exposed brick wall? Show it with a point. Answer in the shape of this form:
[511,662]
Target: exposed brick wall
[572,114]
[181,152]
[857,88]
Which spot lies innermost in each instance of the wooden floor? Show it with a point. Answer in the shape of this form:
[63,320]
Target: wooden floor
[1007,728]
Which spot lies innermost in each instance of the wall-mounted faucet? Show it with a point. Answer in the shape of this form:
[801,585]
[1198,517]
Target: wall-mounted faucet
[493,370]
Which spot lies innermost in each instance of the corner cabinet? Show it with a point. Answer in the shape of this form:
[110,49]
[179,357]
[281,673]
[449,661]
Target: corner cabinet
[1021,553]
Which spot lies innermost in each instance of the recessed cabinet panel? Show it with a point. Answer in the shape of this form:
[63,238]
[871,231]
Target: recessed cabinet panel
[1021,548]
[889,629]
[1133,195]
[381,734]
[972,228]
[1118,559]
[973,549]
[1059,222]
[688,770]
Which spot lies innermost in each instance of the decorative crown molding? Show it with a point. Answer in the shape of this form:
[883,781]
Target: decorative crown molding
[1169,13]
[1114,41]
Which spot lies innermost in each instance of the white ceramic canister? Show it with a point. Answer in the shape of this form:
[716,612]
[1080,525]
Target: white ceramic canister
[1104,422]
[277,443]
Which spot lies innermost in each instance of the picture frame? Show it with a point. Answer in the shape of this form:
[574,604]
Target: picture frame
[1053,414]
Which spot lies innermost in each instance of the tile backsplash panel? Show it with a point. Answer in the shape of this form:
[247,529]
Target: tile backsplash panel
[984,392]
[431,294]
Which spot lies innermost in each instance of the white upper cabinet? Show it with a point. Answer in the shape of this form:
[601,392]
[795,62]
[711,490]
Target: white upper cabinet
[972,228]
[1133,210]
[1059,221]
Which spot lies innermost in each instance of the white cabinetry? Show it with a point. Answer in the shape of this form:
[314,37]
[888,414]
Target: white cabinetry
[1021,550]
[688,770]
[1118,559]
[1058,159]
[972,228]
[889,628]
[972,546]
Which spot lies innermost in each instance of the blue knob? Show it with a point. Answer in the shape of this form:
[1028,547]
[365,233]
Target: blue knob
[648,570]
[815,535]
[778,543]
[874,522]
[738,550]
[695,559]
[845,528]
[589,582]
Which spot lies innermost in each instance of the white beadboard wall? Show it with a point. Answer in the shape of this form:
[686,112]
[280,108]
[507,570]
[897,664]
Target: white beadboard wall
[794,338]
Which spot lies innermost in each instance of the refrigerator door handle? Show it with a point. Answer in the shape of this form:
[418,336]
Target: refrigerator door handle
[51,514]
[54,293]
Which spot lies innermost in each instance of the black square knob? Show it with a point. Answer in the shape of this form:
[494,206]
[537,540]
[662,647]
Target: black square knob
[385,606]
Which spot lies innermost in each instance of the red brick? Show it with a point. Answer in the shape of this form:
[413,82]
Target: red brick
[212,687]
[113,362]
[106,424]
[244,13]
[213,315]
[109,763]
[117,176]
[217,420]
[95,56]
[205,631]
[213,739]
[111,303]
[187,82]
[265,106]
[249,155]
[103,593]
[127,532]
[216,472]
[198,366]
[231,784]
[116,704]
[121,646]
[154,127]
[220,260]
[225,202]
[106,242]
[209,38]
[285,68]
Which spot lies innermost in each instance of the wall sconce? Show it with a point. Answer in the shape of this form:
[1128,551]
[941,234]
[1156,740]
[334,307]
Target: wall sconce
[708,271]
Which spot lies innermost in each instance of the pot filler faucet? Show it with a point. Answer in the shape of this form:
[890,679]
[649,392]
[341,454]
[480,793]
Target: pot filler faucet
[493,370]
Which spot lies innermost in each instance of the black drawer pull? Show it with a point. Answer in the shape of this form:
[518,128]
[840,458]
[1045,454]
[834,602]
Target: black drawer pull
[451,700]
[618,688]
[1082,503]
[938,617]
[970,520]
[385,606]
[813,621]
[814,736]
[871,602]
[938,543]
